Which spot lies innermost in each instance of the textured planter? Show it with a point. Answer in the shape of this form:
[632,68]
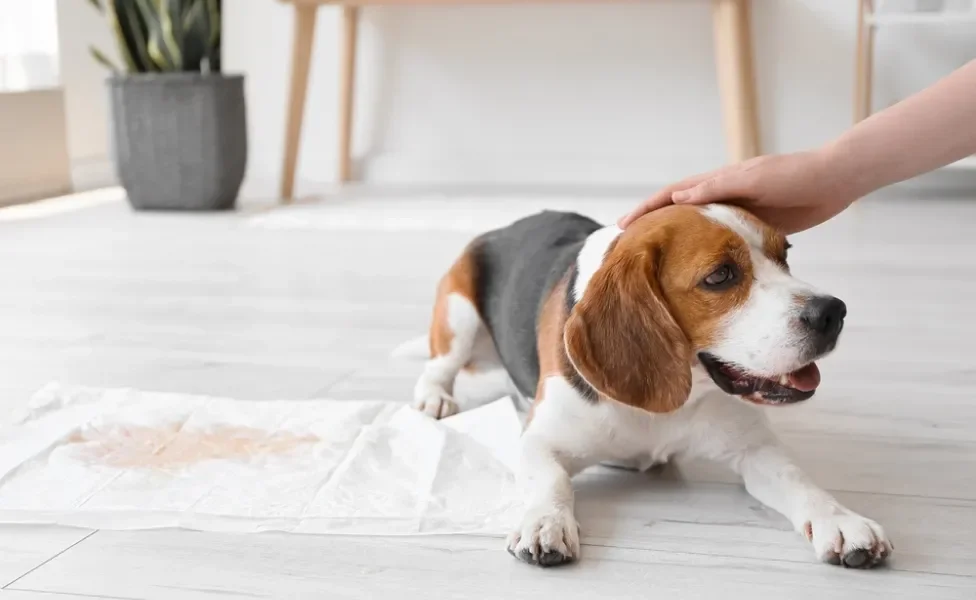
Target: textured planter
[180,139]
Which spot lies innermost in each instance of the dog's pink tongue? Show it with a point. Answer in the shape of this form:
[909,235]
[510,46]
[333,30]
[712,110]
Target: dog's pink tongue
[806,379]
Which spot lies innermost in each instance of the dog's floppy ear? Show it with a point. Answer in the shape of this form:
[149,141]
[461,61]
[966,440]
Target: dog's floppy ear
[622,340]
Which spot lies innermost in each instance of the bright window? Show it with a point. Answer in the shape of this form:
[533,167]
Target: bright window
[28,45]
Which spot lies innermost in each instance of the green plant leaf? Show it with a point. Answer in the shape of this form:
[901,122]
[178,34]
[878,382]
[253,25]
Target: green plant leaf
[158,50]
[103,60]
[171,22]
[213,12]
[196,36]
[124,49]
[164,35]
[134,28]
[213,20]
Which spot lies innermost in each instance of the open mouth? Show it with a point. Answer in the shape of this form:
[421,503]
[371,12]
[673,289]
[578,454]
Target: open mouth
[785,389]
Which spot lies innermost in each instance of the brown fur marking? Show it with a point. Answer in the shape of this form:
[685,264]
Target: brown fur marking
[549,337]
[459,279]
[774,242]
[693,247]
[634,333]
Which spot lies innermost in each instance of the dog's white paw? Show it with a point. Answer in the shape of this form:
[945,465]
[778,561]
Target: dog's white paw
[435,403]
[848,539]
[546,538]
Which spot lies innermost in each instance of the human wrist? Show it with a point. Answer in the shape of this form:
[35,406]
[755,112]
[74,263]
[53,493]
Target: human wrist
[848,177]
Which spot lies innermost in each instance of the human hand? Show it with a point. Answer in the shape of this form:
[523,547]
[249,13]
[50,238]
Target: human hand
[791,192]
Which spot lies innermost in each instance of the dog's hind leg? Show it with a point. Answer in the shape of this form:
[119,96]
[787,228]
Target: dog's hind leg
[459,341]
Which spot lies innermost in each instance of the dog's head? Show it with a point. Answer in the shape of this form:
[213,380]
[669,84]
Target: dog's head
[687,285]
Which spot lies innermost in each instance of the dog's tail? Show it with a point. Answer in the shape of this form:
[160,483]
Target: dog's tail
[416,349]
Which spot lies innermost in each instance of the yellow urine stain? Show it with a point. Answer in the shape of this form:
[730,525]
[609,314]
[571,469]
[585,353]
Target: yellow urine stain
[173,445]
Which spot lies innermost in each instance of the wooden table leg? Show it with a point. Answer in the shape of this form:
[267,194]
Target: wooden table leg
[301,59]
[863,63]
[734,65]
[347,88]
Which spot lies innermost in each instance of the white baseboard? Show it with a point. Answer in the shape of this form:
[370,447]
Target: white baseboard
[602,170]
[93,173]
[55,206]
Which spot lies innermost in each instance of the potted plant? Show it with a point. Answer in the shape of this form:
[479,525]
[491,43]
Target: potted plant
[179,124]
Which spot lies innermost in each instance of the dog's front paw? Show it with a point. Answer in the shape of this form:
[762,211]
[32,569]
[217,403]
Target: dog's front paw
[435,403]
[848,539]
[546,538]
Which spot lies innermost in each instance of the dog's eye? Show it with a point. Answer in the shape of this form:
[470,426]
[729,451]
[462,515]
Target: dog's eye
[721,277]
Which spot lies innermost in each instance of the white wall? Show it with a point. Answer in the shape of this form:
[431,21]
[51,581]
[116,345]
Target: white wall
[618,93]
[85,95]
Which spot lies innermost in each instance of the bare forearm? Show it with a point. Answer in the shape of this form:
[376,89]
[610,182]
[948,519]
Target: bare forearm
[931,129]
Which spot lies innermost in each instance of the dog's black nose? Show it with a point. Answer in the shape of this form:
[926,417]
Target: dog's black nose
[824,315]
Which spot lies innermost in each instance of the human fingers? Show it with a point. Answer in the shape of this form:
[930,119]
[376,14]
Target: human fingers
[722,186]
[659,199]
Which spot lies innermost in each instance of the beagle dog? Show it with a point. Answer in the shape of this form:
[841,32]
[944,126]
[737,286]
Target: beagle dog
[634,346]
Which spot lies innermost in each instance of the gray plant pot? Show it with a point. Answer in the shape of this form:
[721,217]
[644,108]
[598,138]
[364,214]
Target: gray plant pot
[180,139]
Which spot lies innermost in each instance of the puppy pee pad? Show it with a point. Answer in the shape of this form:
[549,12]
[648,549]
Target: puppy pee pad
[128,459]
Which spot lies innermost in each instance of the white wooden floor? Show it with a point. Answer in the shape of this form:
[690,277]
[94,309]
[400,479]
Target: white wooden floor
[204,304]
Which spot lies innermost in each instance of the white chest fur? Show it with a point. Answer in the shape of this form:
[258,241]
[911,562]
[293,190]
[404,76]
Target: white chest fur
[608,431]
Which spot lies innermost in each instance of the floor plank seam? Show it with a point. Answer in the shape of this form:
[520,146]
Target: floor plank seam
[323,391]
[834,490]
[72,594]
[7,586]
[892,566]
